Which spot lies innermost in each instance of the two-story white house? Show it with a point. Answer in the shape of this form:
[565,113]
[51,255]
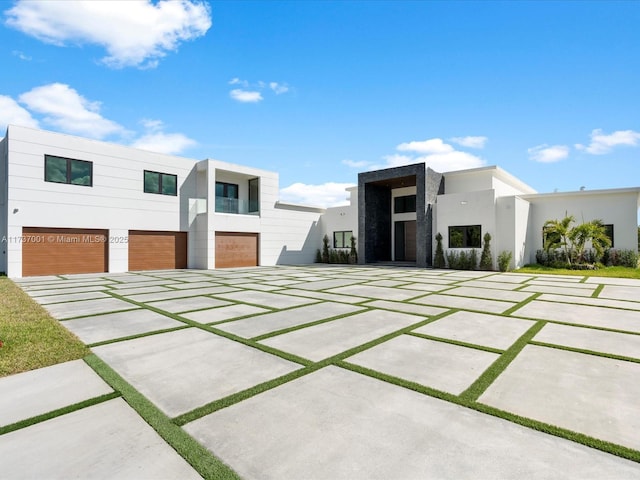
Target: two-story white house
[76,205]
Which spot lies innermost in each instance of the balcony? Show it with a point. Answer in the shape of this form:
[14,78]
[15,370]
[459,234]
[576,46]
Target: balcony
[234,205]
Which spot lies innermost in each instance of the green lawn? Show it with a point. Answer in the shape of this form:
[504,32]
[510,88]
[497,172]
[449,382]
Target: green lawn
[619,272]
[30,337]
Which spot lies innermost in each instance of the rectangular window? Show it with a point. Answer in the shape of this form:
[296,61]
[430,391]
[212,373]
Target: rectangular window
[68,170]
[342,239]
[404,204]
[254,195]
[467,236]
[226,197]
[609,232]
[162,183]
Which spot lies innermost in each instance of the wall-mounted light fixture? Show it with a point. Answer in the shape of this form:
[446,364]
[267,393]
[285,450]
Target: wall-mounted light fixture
[463,202]
[15,210]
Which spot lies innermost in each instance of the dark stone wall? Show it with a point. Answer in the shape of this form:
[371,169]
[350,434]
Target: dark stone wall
[378,225]
[434,187]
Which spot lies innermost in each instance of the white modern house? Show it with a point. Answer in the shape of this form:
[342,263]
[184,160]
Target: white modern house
[75,205]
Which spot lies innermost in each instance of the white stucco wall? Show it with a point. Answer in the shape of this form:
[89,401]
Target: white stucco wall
[3,206]
[469,208]
[116,201]
[617,207]
[340,219]
[512,219]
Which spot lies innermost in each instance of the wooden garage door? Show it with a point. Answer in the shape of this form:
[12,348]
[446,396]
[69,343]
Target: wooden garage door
[236,249]
[150,250]
[56,251]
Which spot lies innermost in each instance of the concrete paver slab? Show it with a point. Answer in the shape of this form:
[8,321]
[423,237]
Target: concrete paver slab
[100,328]
[618,292]
[588,394]
[562,283]
[491,294]
[271,322]
[424,310]
[187,304]
[166,366]
[322,283]
[508,278]
[88,307]
[70,297]
[631,282]
[597,302]
[267,299]
[60,289]
[221,314]
[582,315]
[328,339]
[139,290]
[381,293]
[488,283]
[478,328]
[108,440]
[578,292]
[445,367]
[624,344]
[188,285]
[425,287]
[152,297]
[47,389]
[451,301]
[336,424]
[133,285]
[331,297]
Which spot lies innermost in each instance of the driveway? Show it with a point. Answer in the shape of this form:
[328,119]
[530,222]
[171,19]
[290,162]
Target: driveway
[329,372]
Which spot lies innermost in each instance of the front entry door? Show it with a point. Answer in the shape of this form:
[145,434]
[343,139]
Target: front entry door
[405,241]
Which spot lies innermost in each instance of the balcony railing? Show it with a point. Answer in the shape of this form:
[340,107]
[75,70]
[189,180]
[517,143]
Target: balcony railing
[234,205]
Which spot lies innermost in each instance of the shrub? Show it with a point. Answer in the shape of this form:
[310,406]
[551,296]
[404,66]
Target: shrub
[473,259]
[438,261]
[453,259]
[504,261]
[353,253]
[486,262]
[325,249]
[318,256]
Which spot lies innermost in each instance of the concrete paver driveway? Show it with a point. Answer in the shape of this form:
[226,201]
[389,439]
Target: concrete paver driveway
[328,372]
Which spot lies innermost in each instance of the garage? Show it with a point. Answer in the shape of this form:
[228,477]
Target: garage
[153,250]
[57,251]
[234,249]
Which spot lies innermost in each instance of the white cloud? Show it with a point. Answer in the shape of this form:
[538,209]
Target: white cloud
[14,114]
[160,142]
[324,195]
[134,33]
[237,81]
[64,108]
[245,96]
[548,154]
[156,140]
[21,55]
[355,164]
[470,142]
[431,146]
[279,88]
[602,143]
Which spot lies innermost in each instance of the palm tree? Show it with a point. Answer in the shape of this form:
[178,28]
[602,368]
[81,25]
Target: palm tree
[556,233]
[594,232]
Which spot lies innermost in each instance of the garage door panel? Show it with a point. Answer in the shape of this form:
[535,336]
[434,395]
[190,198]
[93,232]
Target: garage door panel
[151,250]
[58,251]
[236,249]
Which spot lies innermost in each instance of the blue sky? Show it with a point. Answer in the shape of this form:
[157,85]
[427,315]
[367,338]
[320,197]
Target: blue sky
[318,91]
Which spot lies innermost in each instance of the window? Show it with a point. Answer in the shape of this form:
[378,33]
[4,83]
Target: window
[609,232]
[404,204]
[162,183]
[226,197]
[468,236]
[254,195]
[342,239]
[68,170]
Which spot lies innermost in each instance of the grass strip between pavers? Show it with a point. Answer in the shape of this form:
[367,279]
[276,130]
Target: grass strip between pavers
[612,356]
[456,342]
[483,382]
[205,463]
[608,447]
[596,292]
[27,422]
